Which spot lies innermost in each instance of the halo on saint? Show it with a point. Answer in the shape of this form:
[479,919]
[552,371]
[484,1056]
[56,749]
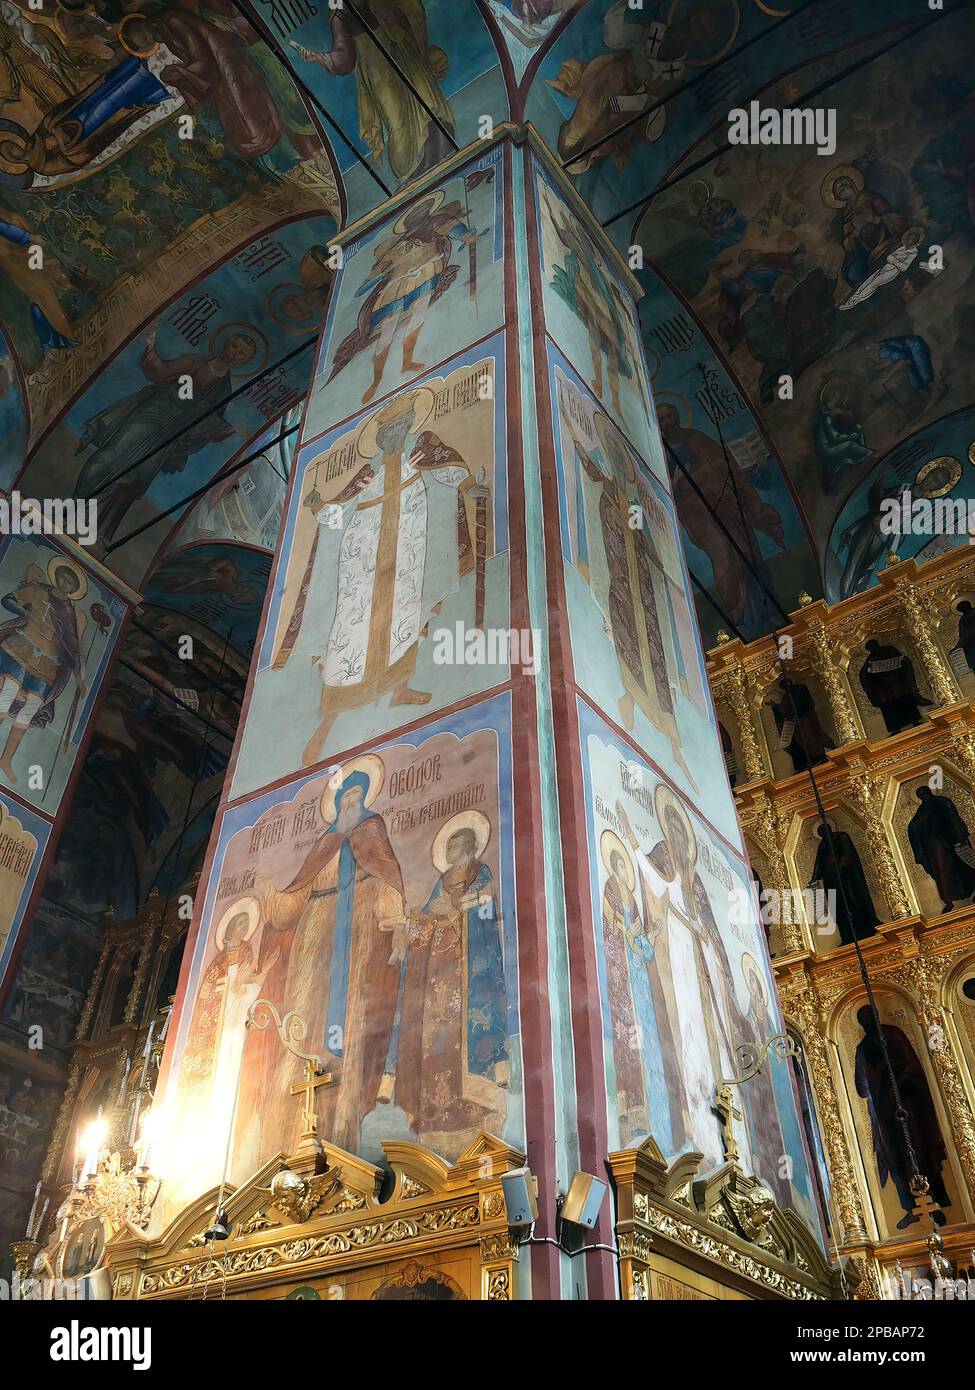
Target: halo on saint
[842,171]
[120,35]
[418,403]
[247,907]
[750,966]
[613,446]
[430,204]
[370,765]
[610,844]
[61,562]
[242,329]
[938,476]
[474,821]
[664,800]
[679,403]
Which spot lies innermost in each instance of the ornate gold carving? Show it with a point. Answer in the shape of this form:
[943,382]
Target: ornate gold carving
[237,1263]
[920,625]
[499,1285]
[767,827]
[296,1197]
[741,708]
[723,1254]
[498,1246]
[842,1177]
[635,1245]
[866,793]
[827,668]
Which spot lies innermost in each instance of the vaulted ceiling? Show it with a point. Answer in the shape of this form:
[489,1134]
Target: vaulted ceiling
[183,167]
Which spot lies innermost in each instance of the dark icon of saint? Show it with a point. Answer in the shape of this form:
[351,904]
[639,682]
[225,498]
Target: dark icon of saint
[888,680]
[839,870]
[966,633]
[941,843]
[800,732]
[890,1150]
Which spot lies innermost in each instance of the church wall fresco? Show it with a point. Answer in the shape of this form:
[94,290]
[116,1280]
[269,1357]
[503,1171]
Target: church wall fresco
[23,840]
[340,642]
[419,1018]
[48,990]
[445,50]
[702,412]
[590,314]
[827,275]
[95,114]
[635,645]
[421,285]
[683,975]
[125,442]
[61,625]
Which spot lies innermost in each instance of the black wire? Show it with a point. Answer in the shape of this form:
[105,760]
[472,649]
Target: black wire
[401,74]
[899,1111]
[201,490]
[799,101]
[136,671]
[702,76]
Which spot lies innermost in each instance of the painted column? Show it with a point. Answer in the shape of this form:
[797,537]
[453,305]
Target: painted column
[477,831]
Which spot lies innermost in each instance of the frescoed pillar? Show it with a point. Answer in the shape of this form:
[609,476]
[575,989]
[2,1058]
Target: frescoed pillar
[477,832]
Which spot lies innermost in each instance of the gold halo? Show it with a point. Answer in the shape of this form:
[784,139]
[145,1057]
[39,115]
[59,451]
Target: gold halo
[280,318]
[58,562]
[423,399]
[464,820]
[664,797]
[946,461]
[135,52]
[841,171]
[604,426]
[710,58]
[251,907]
[679,402]
[435,199]
[610,844]
[245,330]
[374,768]
[971,453]
[699,183]
[748,964]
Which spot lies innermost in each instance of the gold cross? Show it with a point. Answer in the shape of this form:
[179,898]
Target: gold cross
[925,1206]
[727,1112]
[314,1077]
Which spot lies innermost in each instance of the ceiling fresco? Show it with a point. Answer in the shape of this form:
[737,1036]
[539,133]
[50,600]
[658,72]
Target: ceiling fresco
[182,168]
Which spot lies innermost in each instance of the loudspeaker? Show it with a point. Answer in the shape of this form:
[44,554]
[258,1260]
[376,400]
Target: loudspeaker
[583,1200]
[520,1202]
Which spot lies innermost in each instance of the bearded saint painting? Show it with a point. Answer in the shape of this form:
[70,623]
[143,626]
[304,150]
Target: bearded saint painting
[342,924]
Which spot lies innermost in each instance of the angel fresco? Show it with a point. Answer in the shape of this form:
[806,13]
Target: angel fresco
[411,271]
[390,117]
[525,25]
[648,50]
[40,650]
